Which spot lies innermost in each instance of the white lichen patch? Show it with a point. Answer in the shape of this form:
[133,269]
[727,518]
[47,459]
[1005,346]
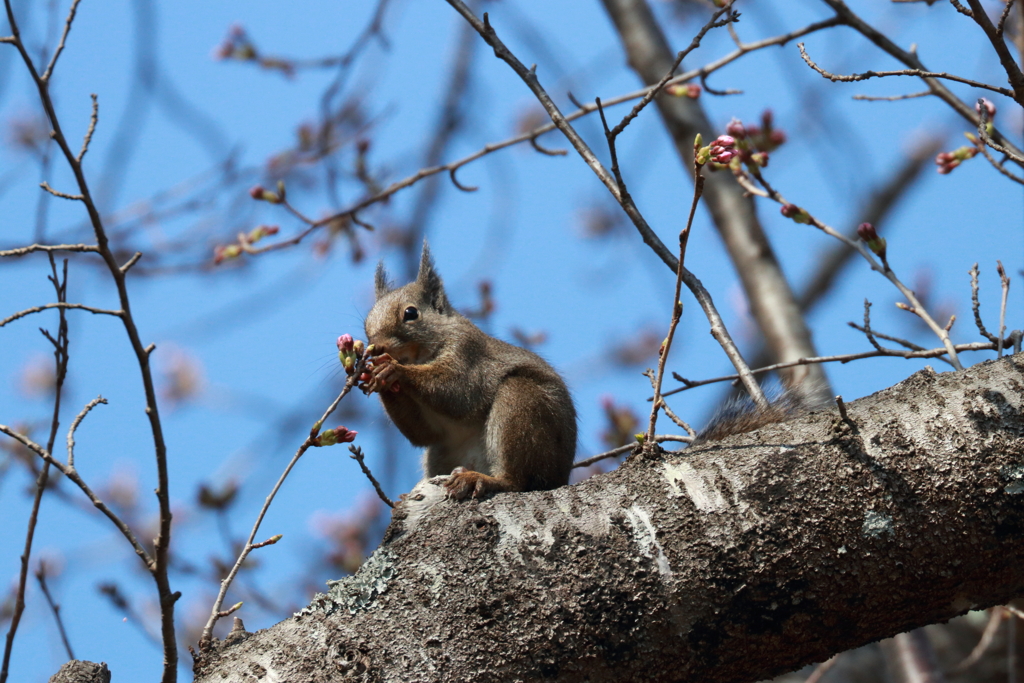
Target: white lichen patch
[523,528]
[877,523]
[1015,476]
[646,537]
[714,488]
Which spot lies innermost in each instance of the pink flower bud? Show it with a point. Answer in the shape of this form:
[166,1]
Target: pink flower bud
[736,129]
[692,91]
[777,138]
[990,108]
[724,141]
[794,212]
[345,342]
[867,232]
[257,192]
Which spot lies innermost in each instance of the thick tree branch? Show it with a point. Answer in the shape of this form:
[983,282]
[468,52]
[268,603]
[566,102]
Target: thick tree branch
[737,561]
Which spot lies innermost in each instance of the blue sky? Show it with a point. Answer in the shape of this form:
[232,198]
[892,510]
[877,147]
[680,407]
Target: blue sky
[264,334]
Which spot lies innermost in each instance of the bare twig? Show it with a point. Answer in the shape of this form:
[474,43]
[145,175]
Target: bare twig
[357,455]
[712,23]
[54,608]
[658,438]
[215,612]
[822,669]
[62,195]
[60,305]
[996,616]
[158,564]
[60,46]
[899,72]
[892,98]
[60,355]
[1004,280]
[983,125]
[74,427]
[22,251]
[976,306]
[93,120]
[905,343]
[845,358]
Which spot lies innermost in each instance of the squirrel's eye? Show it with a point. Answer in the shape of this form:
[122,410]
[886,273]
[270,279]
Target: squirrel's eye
[410,314]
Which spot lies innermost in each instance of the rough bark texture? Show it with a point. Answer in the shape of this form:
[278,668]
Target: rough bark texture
[733,561]
[771,300]
[79,671]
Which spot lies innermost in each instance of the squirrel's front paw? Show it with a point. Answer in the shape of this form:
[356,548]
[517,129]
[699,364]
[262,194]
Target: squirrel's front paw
[385,374]
[464,483]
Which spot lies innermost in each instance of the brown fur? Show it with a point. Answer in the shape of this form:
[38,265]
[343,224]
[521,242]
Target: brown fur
[495,416]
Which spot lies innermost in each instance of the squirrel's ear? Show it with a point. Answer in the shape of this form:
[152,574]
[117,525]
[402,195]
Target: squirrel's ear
[381,285]
[431,281]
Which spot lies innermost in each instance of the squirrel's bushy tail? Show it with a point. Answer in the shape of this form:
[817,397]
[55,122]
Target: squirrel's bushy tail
[740,414]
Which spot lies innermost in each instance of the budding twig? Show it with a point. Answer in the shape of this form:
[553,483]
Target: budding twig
[357,455]
[309,442]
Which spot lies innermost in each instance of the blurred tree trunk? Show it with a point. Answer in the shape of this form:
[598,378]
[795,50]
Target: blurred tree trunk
[769,295]
[732,561]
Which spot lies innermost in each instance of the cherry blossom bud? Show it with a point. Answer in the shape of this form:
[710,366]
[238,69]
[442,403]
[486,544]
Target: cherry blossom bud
[226,253]
[358,346]
[777,138]
[990,108]
[760,158]
[345,342]
[794,212]
[256,192]
[867,232]
[724,141]
[736,129]
[330,437]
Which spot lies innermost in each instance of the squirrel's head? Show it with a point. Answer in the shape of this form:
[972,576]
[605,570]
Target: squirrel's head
[409,322]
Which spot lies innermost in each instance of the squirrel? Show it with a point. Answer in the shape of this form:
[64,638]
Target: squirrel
[494,416]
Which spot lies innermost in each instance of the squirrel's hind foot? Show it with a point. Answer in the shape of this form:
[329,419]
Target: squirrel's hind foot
[464,483]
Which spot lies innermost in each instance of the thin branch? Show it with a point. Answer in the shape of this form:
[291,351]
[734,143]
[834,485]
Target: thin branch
[62,195]
[1013,73]
[61,306]
[845,358]
[659,438]
[159,564]
[532,136]
[21,251]
[60,355]
[93,120]
[1004,281]
[657,87]
[74,427]
[996,617]
[983,125]
[357,455]
[976,306]
[892,98]
[846,16]
[60,46]
[915,306]
[54,608]
[899,72]
[822,669]
[215,612]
